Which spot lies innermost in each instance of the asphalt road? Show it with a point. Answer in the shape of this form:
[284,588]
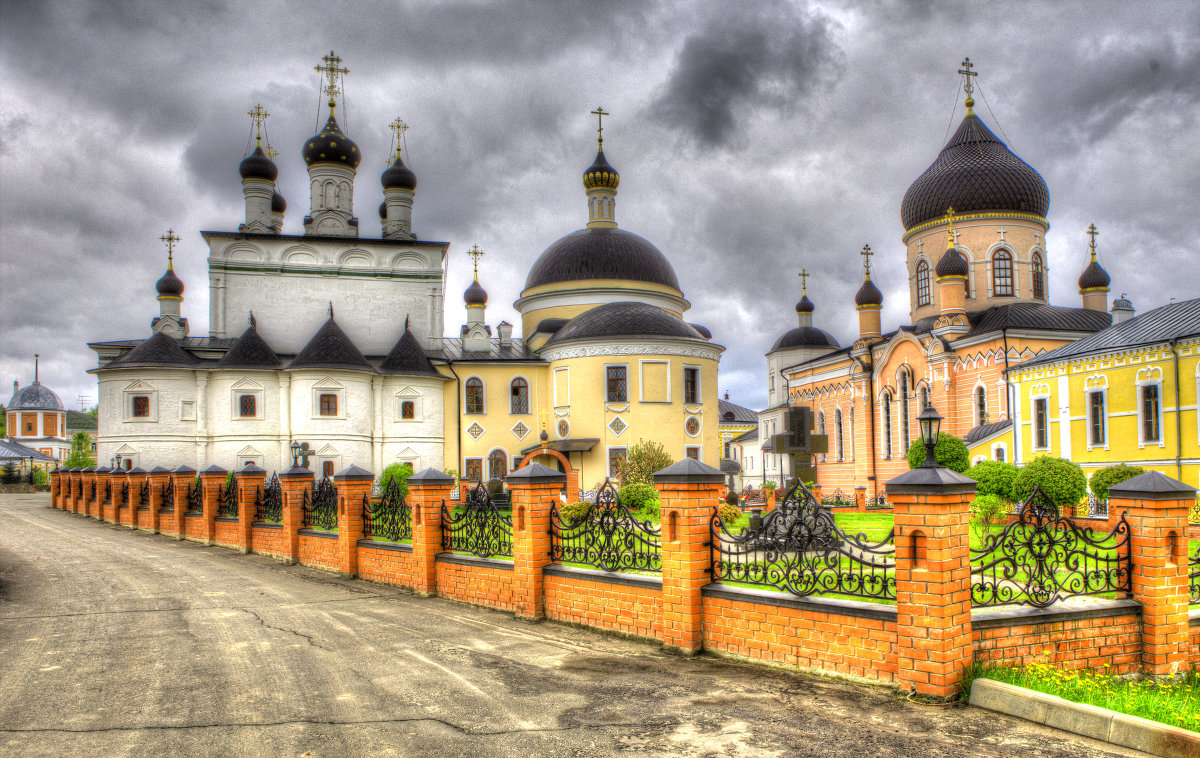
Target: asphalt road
[120,643]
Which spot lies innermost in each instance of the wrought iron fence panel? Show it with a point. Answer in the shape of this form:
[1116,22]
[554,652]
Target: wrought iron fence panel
[879,503]
[1194,578]
[125,493]
[227,500]
[607,536]
[1043,557]
[479,528]
[390,519]
[167,504]
[195,497]
[1097,508]
[105,492]
[798,548]
[320,506]
[144,493]
[268,503]
[837,497]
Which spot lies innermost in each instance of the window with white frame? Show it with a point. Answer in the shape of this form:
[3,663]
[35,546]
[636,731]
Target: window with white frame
[691,384]
[922,283]
[1041,423]
[905,428]
[519,397]
[1150,413]
[885,411]
[616,384]
[981,412]
[616,457]
[474,395]
[837,435]
[1097,418]
[1002,273]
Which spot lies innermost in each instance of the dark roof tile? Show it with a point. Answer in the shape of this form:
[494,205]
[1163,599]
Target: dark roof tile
[331,348]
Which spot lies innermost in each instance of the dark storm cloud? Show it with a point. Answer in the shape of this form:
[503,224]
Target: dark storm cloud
[740,63]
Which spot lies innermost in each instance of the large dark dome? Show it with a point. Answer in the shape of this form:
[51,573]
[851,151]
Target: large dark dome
[974,172]
[624,319]
[331,145]
[169,284]
[398,176]
[601,253]
[35,397]
[804,336]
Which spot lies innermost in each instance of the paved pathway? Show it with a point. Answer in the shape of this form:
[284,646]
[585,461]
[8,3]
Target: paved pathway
[120,643]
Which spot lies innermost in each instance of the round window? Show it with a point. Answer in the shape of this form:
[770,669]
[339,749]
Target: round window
[692,426]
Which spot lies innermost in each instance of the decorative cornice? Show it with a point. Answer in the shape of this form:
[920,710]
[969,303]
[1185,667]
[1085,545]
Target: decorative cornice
[959,219]
[567,352]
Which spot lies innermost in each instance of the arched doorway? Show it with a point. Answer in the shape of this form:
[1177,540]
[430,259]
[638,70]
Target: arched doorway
[564,466]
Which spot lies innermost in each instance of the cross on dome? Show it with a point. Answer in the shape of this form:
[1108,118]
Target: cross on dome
[803,281]
[866,254]
[968,87]
[333,72]
[951,235]
[475,254]
[1093,232]
[170,238]
[600,113]
[258,115]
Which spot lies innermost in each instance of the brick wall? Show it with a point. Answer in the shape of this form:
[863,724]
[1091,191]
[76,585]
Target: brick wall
[385,562]
[193,527]
[227,531]
[478,581]
[1109,635]
[267,539]
[319,549]
[144,518]
[628,604]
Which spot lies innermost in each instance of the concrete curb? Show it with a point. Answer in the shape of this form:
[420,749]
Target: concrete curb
[1087,720]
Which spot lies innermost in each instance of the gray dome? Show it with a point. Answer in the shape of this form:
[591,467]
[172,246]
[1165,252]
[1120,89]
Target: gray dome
[624,319]
[35,397]
[601,253]
[804,336]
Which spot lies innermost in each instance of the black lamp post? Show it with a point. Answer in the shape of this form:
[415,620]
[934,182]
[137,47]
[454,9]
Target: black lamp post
[300,453]
[930,422]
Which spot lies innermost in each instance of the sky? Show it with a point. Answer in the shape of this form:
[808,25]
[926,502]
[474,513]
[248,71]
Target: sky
[753,140]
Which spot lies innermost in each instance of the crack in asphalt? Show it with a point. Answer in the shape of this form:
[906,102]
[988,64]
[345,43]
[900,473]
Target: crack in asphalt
[282,629]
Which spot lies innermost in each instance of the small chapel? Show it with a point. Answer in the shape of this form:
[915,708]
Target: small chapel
[327,336]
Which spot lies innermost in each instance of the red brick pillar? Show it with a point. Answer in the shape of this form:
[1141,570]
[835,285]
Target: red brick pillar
[427,491]
[294,483]
[135,476]
[212,480]
[353,487]
[860,499]
[159,477]
[99,479]
[933,579]
[1158,521]
[183,477]
[249,483]
[689,491]
[116,478]
[76,492]
[535,489]
[768,500]
[105,510]
[54,479]
[88,490]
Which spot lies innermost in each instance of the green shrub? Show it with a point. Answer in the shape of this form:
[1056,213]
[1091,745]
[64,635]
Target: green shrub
[994,478]
[987,512]
[769,484]
[1110,475]
[10,475]
[573,513]
[641,461]
[40,477]
[638,497]
[729,513]
[950,452]
[1062,481]
[230,479]
[400,472]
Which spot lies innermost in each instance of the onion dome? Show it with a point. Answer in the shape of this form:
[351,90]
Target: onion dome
[475,295]
[952,263]
[278,204]
[625,319]
[35,397]
[804,336]
[383,210]
[601,253]
[1093,277]
[805,305]
[974,172]
[257,165]
[600,175]
[169,285]
[331,145]
[868,294]
[398,176]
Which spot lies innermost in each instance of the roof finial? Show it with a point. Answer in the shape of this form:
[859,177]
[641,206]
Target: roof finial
[803,281]
[331,310]
[1093,232]
[35,368]
[258,115]
[951,237]
[600,113]
[866,254]
[406,322]
[475,253]
[253,323]
[333,72]
[398,128]
[170,239]
[967,86]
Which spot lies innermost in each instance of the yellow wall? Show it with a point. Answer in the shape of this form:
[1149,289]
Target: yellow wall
[497,420]
[606,291]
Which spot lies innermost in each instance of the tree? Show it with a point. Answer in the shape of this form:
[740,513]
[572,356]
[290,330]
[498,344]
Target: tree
[10,475]
[81,451]
[1110,475]
[643,459]
[400,472]
[1062,481]
[949,451]
[994,477]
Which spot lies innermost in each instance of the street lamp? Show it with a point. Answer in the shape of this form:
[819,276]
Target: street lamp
[300,453]
[930,422]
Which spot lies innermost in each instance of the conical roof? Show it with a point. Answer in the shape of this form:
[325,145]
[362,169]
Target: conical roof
[407,357]
[331,348]
[158,351]
[250,351]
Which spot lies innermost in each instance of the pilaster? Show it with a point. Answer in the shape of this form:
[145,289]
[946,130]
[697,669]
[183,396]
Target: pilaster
[428,490]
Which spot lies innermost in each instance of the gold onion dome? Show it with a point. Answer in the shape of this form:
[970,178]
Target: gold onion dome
[600,175]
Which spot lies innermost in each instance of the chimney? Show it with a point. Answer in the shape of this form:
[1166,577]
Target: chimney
[505,332]
[1122,309]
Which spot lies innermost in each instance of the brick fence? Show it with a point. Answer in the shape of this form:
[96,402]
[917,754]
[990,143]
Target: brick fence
[923,642]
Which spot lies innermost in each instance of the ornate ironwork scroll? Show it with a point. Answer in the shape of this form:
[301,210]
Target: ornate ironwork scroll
[799,548]
[227,500]
[268,504]
[195,497]
[879,503]
[167,504]
[144,493]
[607,536]
[125,493]
[105,490]
[837,497]
[1043,557]
[479,528]
[389,519]
[320,506]
[1194,578]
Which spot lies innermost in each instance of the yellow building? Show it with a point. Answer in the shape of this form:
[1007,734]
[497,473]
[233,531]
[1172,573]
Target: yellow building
[1124,394]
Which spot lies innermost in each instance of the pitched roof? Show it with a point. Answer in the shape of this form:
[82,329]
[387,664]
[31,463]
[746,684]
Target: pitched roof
[407,357]
[749,436]
[250,351]
[1172,321]
[741,415]
[452,349]
[78,421]
[10,450]
[983,431]
[331,348]
[1026,316]
[160,351]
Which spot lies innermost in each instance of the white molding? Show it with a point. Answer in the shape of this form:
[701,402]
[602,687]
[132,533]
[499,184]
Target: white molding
[710,352]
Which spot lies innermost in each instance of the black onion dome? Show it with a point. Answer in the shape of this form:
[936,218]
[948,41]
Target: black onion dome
[625,319]
[398,176]
[868,294]
[475,295]
[331,145]
[257,165]
[804,336]
[600,174]
[35,397]
[169,285]
[805,305]
[1093,277]
[278,204]
[974,172]
[601,253]
[952,263]
[383,210]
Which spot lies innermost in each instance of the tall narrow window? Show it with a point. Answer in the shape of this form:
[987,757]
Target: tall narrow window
[617,386]
[821,430]
[905,429]
[327,469]
[837,434]
[1151,430]
[474,395]
[923,398]
[473,469]
[1039,278]
[922,283]
[616,456]
[1041,424]
[885,408]
[691,385]
[520,396]
[981,406]
[247,406]
[1096,430]
[141,406]
[328,405]
[408,410]
[1002,273]
[497,464]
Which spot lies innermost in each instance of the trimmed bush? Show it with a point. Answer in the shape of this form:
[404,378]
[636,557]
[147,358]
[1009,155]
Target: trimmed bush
[641,499]
[1110,475]
[1062,481]
[994,478]
[987,512]
[574,512]
[40,477]
[400,472]
[729,513]
[950,452]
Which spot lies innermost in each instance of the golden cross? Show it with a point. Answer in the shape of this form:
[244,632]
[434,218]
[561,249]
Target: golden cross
[968,73]
[272,153]
[170,238]
[866,254]
[600,113]
[475,252]
[1092,232]
[543,419]
[398,128]
[332,70]
[951,238]
[803,281]
[258,115]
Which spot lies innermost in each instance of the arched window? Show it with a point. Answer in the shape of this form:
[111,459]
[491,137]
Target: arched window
[474,395]
[821,430]
[837,434]
[905,429]
[520,396]
[922,283]
[981,405]
[497,464]
[885,410]
[1002,273]
[923,398]
[1039,278]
